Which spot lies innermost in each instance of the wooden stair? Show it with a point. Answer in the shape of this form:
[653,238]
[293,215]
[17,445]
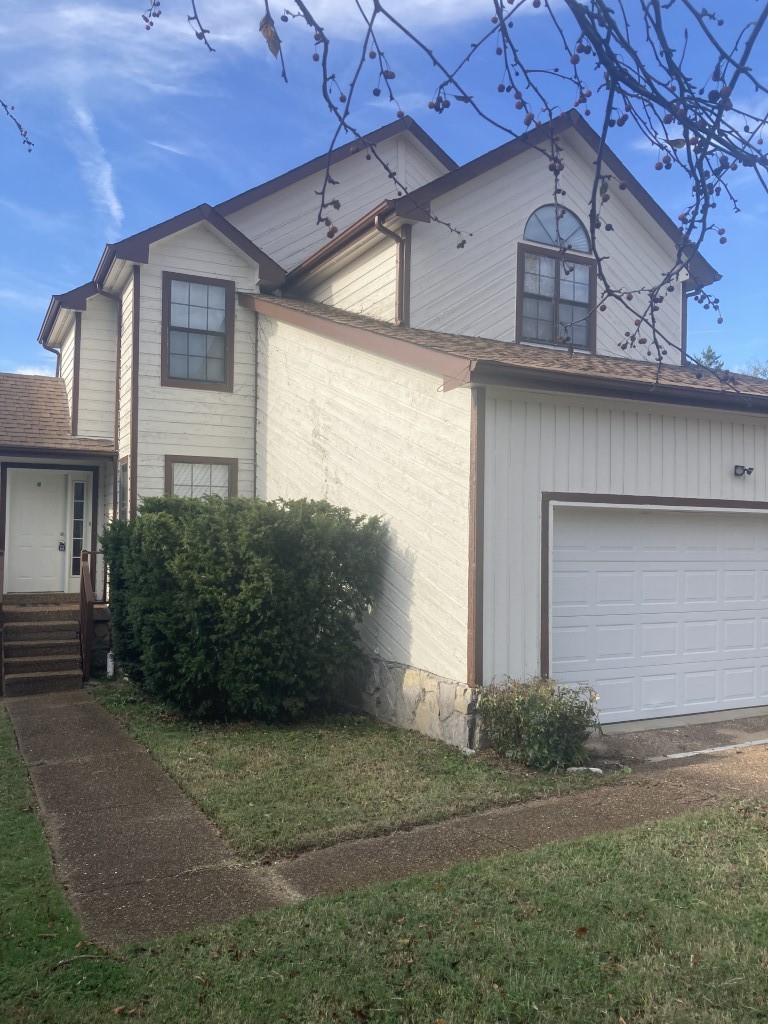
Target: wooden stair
[41,643]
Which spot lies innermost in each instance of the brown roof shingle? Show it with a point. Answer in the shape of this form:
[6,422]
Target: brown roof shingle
[34,415]
[515,363]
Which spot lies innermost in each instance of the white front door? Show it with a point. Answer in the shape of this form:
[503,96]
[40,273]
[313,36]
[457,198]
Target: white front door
[36,543]
[662,612]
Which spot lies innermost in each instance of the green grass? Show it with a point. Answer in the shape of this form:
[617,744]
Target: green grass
[661,925]
[275,790]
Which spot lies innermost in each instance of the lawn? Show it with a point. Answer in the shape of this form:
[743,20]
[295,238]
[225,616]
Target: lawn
[276,790]
[661,925]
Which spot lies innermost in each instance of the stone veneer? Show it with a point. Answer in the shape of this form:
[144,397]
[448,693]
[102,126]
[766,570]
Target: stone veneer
[412,698]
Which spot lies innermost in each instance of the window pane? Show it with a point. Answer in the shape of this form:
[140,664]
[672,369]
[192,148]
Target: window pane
[79,491]
[178,366]
[197,368]
[215,346]
[77,529]
[178,342]
[216,370]
[197,345]
[217,297]
[198,317]
[179,315]
[196,479]
[216,319]
[78,513]
[198,294]
[182,475]
[220,480]
[180,291]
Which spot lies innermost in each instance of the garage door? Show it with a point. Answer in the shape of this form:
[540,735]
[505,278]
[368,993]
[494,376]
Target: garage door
[663,613]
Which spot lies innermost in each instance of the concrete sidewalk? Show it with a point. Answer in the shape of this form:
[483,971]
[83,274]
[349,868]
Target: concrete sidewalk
[135,856]
[138,859]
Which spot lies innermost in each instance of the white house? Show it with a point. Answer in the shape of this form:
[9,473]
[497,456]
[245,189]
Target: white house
[572,510]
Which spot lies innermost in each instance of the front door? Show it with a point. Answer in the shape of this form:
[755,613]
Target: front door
[36,543]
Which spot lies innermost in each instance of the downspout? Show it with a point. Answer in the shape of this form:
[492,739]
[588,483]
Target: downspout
[401,312]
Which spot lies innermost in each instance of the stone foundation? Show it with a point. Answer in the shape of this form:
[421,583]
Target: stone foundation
[414,699]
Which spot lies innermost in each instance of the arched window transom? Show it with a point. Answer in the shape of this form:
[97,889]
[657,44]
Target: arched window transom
[554,225]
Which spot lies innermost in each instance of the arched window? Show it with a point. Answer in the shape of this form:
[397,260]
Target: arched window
[556,290]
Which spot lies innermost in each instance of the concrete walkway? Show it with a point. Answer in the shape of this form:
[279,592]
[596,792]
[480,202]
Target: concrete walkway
[138,859]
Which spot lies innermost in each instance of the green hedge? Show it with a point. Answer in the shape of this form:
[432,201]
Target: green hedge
[240,608]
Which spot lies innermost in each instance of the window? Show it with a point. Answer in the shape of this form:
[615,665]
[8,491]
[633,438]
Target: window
[556,290]
[78,524]
[191,477]
[198,332]
[122,491]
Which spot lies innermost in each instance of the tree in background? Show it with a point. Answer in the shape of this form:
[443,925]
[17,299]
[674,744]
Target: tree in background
[681,75]
[709,359]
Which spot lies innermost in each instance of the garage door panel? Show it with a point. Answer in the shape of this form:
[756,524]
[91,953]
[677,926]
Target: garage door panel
[663,613]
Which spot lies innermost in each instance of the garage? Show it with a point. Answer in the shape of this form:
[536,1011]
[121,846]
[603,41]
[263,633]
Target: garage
[663,612]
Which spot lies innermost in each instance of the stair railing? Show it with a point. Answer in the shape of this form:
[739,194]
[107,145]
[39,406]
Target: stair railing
[87,601]
[2,620]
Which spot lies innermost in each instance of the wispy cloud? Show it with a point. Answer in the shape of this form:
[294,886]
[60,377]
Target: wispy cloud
[36,370]
[168,148]
[95,167]
[23,299]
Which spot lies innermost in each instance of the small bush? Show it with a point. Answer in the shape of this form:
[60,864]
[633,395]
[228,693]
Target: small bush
[240,608]
[539,723]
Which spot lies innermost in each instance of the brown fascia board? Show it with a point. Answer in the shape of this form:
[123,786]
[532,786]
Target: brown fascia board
[489,373]
[455,370]
[351,234]
[135,248]
[40,451]
[319,163]
[416,204]
[75,300]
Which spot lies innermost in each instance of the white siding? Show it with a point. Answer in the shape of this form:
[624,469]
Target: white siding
[538,443]
[187,421]
[367,284]
[285,224]
[381,439]
[473,290]
[98,351]
[67,363]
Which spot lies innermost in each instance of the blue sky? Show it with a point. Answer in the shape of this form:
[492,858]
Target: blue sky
[131,127]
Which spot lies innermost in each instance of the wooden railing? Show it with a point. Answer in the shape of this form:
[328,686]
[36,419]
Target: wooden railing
[87,601]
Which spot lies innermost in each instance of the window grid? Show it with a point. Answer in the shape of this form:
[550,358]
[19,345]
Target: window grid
[197,479]
[197,332]
[556,303]
[78,524]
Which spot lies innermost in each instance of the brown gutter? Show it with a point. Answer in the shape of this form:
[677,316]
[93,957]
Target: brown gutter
[490,373]
[76,373]
[135,336]
[355,231]
[33,451]
[399,241]
[476,540]
[455,370]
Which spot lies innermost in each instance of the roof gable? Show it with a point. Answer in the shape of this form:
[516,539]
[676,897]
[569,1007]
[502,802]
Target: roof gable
[416,204]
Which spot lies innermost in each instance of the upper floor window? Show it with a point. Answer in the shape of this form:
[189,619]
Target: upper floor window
[556,290]
[198,332]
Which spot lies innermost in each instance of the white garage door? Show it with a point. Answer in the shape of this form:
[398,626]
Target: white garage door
[663,613]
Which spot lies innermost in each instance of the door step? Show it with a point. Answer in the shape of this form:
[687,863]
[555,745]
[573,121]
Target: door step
[41,645]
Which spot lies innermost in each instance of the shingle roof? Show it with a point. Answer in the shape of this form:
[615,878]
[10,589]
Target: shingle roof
[34,415]
[513,362]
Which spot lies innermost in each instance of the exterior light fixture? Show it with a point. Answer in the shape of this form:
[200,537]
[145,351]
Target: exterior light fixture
[743,470]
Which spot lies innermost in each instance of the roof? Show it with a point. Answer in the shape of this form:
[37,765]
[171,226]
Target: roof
[135,249]
[34,417]
[464,360]
[417,202]
[319,163]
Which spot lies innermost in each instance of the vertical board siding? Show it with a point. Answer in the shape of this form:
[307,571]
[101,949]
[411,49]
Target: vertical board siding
[536,444]
[285,224]
[367,284]
[379,438]
[185,421]
[98,339]
[67,364]
[473,290]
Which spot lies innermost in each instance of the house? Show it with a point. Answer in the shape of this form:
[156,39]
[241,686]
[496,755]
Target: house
[576,510]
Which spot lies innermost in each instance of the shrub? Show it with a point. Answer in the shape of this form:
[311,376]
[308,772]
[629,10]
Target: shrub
[540,723]
[240,608]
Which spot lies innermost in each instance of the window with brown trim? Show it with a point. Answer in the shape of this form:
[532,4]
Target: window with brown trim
[198,332]
[556,289]
[190,476]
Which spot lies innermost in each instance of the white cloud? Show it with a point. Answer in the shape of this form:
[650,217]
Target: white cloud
[37,370]
[23,299]
[95,167]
